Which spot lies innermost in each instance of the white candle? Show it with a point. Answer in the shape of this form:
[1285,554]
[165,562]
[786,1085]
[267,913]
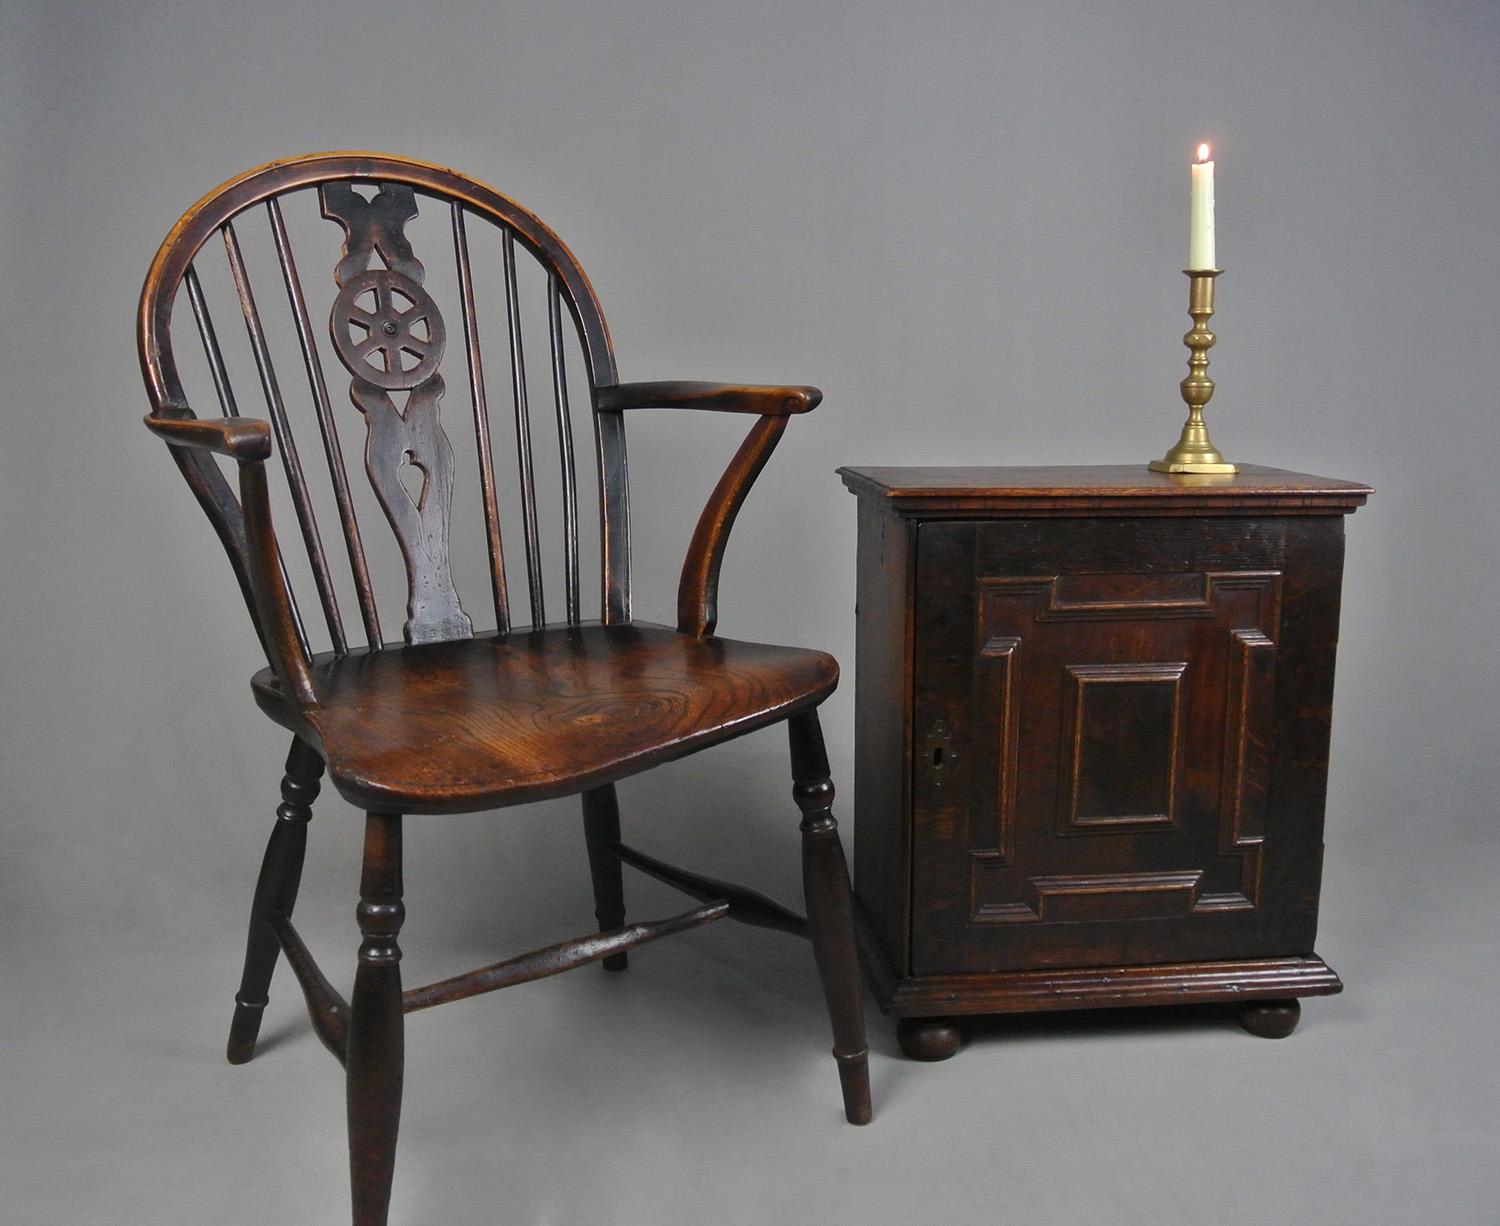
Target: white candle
[1201,212]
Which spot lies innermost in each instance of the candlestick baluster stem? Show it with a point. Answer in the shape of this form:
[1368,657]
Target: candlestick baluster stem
[1195,451]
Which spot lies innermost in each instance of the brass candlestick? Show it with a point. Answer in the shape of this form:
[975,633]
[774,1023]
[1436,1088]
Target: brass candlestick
[1195,452]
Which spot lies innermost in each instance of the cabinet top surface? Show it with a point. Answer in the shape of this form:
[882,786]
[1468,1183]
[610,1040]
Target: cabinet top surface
[1103,488]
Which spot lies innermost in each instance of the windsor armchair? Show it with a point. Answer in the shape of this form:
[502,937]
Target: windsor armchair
[452,719]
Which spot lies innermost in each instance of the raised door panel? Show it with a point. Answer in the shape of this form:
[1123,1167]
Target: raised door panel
[1095,732]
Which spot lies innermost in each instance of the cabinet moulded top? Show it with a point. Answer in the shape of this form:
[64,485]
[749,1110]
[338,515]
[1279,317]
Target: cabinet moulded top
[1100,489]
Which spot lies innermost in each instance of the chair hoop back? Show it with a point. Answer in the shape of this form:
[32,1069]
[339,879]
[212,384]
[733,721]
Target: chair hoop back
[390,336]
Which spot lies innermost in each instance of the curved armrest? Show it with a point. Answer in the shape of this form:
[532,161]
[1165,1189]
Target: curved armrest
[716,397]
[698,589]
[249,442]
[239,438]
[268,584]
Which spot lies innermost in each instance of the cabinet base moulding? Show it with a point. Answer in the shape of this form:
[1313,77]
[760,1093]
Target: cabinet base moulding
[1038,991]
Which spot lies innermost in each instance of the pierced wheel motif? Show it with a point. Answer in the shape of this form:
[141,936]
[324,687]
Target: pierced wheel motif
[387,329]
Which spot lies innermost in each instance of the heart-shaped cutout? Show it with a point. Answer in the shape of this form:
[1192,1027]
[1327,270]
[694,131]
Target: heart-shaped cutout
[413,478]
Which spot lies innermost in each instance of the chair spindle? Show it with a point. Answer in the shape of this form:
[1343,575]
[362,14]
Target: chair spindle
[210,343]
[564,447]
[481,422]
[523,437]
[284,441]
[230,407]
[326,425]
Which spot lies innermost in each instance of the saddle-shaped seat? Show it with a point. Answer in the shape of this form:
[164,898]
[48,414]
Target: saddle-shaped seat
[497,720]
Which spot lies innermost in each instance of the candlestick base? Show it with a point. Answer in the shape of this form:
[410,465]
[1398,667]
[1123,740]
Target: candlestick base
[1195,451]
[1191,466]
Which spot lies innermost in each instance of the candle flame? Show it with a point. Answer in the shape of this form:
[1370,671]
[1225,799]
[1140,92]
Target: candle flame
[1204,152]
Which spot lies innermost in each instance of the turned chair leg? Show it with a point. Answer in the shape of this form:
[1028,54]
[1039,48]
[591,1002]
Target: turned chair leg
[275,892]
[601,831]
[377,1043]
[830,913]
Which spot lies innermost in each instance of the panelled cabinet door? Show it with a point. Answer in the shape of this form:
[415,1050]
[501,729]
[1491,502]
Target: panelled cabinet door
[1097,712]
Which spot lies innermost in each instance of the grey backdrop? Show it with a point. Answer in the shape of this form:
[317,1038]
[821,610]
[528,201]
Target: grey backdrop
[965,222]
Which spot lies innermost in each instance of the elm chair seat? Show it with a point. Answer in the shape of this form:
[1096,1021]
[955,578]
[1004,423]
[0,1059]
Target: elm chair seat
[462,714]
[497,720]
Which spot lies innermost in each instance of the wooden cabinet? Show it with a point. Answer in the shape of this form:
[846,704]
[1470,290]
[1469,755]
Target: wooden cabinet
[1092,728]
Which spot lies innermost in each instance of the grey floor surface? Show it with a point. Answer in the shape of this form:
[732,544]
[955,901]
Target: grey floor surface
[697,1087]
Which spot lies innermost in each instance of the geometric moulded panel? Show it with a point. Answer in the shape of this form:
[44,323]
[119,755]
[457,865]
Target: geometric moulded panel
[1163,760]
[1121,762]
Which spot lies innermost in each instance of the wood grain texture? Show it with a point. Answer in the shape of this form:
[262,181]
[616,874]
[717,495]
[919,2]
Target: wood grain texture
[400,350]
[1092,728]
[698,589]
[1039,991]
[1126,489]
[716,397]
[264,185]
[883,728]
[238,438]
[492,721]
[445,722]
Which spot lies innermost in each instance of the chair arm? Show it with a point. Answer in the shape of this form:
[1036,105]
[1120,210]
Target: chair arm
[248,441]
[698,589]
[716,397]
[268,585]
[239,438]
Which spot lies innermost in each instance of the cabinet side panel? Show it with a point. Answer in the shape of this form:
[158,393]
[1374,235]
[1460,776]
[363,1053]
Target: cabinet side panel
[1303,719]
[882,734]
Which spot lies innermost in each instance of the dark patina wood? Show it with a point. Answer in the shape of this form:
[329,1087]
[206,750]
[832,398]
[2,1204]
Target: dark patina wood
[326,1009]
[502,719]
[601,835]
[830,913]
[554,959]
[377,1035]
[389,305]
[275,895]
[747,906]
[1092,730]
[450,721]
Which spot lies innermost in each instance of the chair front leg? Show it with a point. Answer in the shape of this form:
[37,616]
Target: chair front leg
[377,1044]
[601,831]
[275,891]
[830,913]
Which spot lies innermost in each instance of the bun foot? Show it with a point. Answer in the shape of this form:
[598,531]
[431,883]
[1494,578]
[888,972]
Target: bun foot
[1270,1019]
[928,1038]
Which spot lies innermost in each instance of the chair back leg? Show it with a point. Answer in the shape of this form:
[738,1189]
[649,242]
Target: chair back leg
[275,893]
[601,830]
[377,1044]
[830,912]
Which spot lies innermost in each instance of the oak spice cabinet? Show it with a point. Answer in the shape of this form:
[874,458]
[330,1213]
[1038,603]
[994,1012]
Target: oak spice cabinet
[1092,730]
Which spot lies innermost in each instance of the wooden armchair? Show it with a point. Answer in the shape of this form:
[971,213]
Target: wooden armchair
[451,720]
